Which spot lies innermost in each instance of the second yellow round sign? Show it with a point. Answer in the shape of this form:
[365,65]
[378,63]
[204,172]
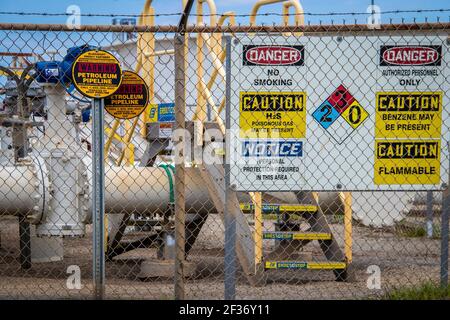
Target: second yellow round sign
[130,100]
[96,74]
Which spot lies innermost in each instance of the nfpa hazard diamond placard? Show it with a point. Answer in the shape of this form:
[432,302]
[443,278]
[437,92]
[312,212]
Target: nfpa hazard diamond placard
[340,105]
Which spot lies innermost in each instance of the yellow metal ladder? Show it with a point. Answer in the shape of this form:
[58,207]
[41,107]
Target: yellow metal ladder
[319,231]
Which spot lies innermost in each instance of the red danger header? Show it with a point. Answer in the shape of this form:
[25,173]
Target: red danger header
[97,67]
[410,55]
[273,55]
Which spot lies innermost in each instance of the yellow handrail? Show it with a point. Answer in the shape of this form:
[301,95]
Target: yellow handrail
[257,6]
[299,16]
[145,52]
[346,198]
[287,4]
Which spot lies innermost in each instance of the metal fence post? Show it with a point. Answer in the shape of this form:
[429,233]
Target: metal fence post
[180,124]
[429,225]
[229,220]
[98,203]
[444,236]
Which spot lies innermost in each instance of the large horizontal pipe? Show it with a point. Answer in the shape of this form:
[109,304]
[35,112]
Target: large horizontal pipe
[17,190]
[141,190]
[147,190]
[144,190]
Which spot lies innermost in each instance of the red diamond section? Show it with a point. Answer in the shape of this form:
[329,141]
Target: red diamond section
[341,99]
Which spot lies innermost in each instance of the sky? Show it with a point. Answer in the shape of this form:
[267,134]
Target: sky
[54,45]
[119,7]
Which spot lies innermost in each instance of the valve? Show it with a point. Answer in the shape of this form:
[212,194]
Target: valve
[60,71]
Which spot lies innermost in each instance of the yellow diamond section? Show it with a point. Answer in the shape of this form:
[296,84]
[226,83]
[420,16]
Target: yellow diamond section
[355,114]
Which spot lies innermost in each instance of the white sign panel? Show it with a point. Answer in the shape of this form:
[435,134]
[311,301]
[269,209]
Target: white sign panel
[338,113]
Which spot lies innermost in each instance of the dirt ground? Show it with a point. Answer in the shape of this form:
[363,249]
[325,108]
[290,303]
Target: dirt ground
[403,261]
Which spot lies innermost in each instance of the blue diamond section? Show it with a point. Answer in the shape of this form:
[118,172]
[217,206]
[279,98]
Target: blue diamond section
[326,114]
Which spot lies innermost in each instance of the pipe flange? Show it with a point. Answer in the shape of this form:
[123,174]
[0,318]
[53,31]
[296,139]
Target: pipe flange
[42,196]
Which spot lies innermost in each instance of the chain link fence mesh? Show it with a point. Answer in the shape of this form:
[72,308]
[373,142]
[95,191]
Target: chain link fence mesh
[46,248]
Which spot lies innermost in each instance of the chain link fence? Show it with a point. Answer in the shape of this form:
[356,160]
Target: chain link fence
[305,104]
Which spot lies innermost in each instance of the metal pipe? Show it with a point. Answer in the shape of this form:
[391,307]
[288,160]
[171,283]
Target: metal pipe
[127,190]
[17,190]
[299,17]
[160,53]
[257,6]
[146,190]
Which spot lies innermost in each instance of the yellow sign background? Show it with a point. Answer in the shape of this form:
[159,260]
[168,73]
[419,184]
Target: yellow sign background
[290,125]
[417,124]
[128,105]
[96,84]
[387,164]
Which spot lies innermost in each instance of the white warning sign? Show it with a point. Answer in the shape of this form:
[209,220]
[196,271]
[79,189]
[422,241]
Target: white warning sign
[339,113]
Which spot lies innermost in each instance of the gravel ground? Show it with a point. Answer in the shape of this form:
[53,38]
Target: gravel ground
[403,262]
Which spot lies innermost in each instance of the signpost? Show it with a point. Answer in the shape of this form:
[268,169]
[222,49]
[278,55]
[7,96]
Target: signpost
[332,113]
[97,74]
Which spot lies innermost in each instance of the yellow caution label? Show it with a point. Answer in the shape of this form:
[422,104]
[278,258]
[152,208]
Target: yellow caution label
[296,236]
[271,265]
[399,162]
[268,208]
[332,265]
[326,265]
[96,74]
[408,115]
[272,115]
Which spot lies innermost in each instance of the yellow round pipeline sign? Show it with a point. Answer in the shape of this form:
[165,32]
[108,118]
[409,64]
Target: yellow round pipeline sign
[130,100]
[96,74]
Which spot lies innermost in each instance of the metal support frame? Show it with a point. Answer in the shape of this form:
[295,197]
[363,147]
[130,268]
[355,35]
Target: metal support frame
[25,242]
[98,198]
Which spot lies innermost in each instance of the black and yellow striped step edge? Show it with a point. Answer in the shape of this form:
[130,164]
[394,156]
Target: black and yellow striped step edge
[289,235]
[295,265]
[269,208]
[277,216]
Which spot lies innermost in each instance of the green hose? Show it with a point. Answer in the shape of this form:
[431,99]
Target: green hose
[169,170]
